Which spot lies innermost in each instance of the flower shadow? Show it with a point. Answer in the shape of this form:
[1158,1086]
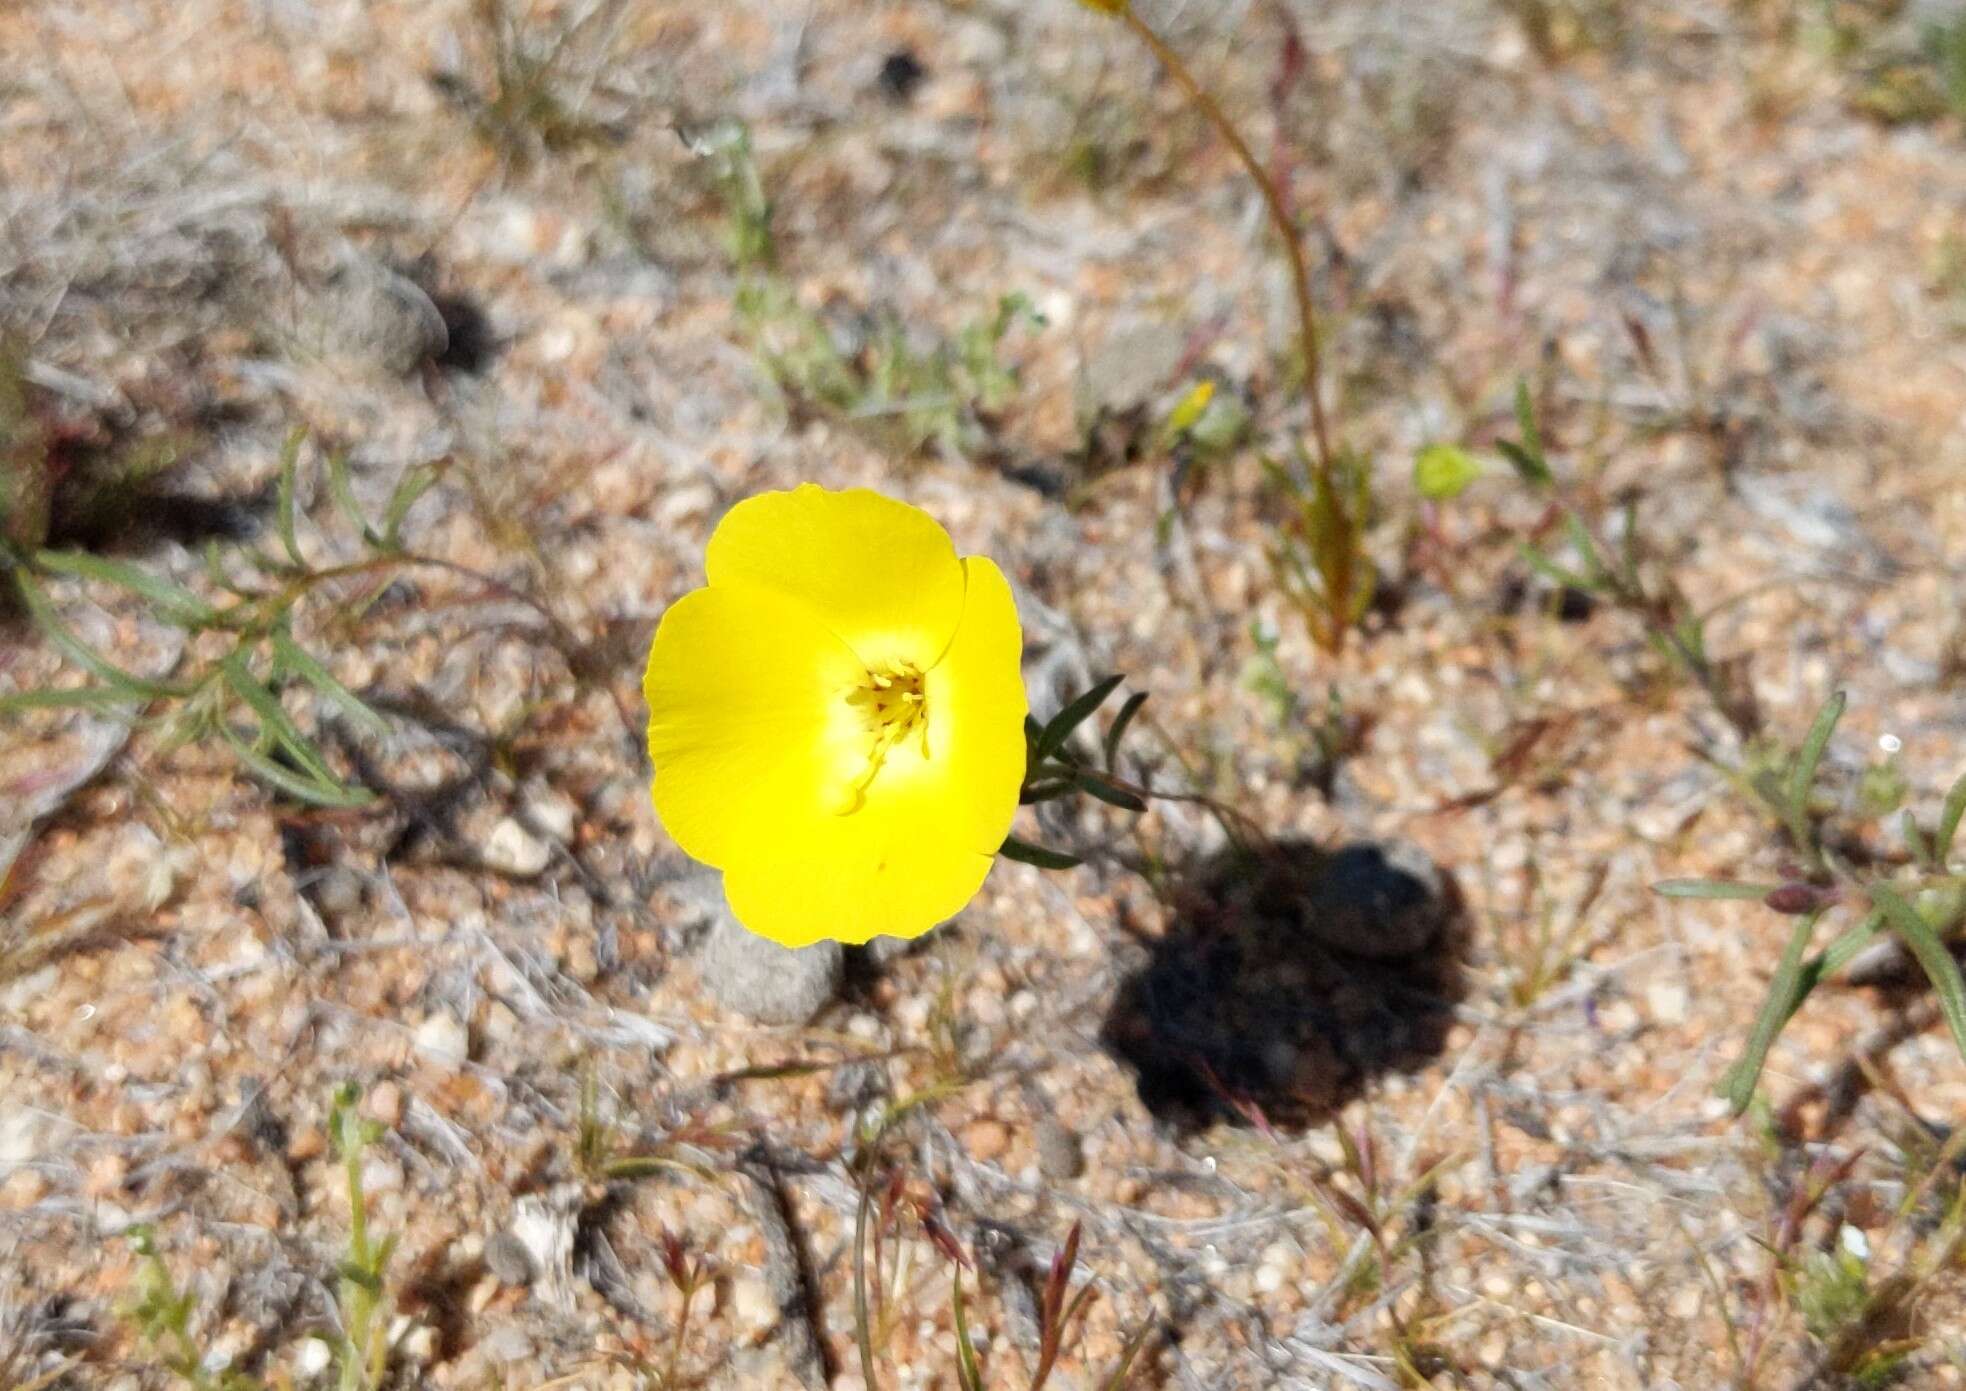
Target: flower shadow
[1288,981]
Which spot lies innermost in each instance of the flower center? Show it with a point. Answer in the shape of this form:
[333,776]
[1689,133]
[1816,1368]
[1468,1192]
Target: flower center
[892,708]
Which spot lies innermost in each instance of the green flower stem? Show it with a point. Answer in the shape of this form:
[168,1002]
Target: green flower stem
[1280,218]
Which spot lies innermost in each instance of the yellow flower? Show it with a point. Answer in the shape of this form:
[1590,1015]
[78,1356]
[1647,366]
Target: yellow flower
[1106,6]
[837,718]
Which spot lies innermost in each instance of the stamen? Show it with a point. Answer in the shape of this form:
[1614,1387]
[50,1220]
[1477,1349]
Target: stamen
[892,706]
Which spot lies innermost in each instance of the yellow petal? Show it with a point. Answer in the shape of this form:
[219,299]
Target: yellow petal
[977,705]
[919,845]
[852,882]
[882,575]
[744,691]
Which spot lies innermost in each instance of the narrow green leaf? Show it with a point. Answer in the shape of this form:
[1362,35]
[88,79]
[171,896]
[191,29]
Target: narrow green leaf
[1527,456]
[1824,965]
[1118,731]
[1038,856]
[172,601]
[274,719]
[1044,790]
[344,497]
[101,698]
[1841,951]
[1117,1381]
[1095,783]
[1738,1085]
[1536,560]
[1073,715]
[284,496]
[1932,955]
[296,659]
[414,485]
[215,565]
[1628,555]
[1585,545]
[1525,418]
[42,611]
[1528,468]
[1802,773]
[1916,841]
[967,1372]
[1949,818]
[357,1275]
[1712,888]
[293,784]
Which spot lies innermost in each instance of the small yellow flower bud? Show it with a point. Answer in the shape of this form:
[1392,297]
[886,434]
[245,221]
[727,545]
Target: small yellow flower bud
[1107,6]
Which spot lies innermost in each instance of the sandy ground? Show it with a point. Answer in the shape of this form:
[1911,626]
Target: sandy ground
[1736,294]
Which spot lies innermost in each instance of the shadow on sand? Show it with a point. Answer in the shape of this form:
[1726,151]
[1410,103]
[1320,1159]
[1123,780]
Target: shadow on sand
[1288,981]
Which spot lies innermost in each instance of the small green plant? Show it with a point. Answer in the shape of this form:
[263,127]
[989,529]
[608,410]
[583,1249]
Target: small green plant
[256,623]
[162,1314]
[689,1276]
[1543,945]
[879,1282]
[1560,30]
[1058,1310]
[911,391]
[67,476]
[233,698]
[1857,1294]
[1056,766]
[1319,556]
[1626,576]
[1395,1220]
[1896,73]
[531,103]
[1924,908]
[362,1349]
[599,1157]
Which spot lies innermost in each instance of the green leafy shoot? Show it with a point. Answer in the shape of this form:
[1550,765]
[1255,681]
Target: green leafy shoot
[1442,472]
[1925,911]
[235,694]
[362,1348]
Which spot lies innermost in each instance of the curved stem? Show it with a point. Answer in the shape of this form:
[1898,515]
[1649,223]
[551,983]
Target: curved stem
[1280,218]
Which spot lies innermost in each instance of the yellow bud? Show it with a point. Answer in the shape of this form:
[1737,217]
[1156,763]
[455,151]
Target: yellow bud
[1107,6]
[1190,408]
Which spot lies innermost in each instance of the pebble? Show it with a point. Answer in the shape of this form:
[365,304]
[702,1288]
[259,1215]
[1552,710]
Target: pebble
[367,313]
[313,1358]
[24,1135]
[507,1344]
[507,1258]
[443,1039]
[337,891]
[553,812]
[418,1346]
[385,1103]
[512,849]
[1060,1155]
[35,985]
[752,1305]
[1667,1001]
[764,981]
[381,1174]
[986,1140]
